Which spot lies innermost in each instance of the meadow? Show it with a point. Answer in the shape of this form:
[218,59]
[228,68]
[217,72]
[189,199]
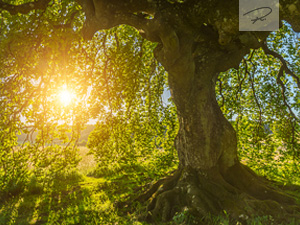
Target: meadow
[95,195]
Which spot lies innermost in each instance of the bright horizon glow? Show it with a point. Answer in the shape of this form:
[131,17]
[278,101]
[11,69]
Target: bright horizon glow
[66,96]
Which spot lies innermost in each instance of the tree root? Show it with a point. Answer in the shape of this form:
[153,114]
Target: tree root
[238,191]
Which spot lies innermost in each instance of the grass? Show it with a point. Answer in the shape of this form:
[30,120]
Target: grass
[88,195]
[85,195]
[72,200]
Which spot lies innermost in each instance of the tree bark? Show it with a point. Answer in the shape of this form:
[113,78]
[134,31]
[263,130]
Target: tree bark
[205,138]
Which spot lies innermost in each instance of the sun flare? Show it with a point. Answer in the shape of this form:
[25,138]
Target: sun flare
[66,97]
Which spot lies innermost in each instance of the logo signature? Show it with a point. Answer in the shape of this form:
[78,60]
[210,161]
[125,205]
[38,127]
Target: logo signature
[262,18]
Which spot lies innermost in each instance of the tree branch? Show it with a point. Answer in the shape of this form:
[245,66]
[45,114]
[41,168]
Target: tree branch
[283,62]
[106,14]
[24,8]
[279,81]
[251,79]
[148,17]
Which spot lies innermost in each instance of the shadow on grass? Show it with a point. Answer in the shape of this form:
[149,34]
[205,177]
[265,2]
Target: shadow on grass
[84,200]
[72,198]
[69,207]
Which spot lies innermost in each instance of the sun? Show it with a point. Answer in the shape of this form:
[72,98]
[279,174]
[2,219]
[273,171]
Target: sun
[66,97]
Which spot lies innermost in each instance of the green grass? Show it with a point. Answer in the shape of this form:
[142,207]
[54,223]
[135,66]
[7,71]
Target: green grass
[72,200]
[88,195]
[85,195]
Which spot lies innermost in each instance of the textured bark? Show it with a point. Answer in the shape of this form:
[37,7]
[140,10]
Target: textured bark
[205,139]
[204,133]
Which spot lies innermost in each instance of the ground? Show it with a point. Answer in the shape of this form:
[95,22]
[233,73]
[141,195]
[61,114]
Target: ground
[89,196]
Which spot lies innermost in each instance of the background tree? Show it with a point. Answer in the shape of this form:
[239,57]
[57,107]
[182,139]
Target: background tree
[196,41]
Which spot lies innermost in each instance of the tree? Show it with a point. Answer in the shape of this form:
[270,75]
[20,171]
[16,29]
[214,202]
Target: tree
[196,42]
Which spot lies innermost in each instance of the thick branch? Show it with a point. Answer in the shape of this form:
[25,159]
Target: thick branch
[106,14]
[156,28]
[24,8]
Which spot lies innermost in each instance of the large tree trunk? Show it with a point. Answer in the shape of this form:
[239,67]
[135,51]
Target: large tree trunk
[205,138]
[210,178]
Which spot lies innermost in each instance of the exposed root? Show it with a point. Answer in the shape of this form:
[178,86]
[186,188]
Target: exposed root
[163,185]
[239,191]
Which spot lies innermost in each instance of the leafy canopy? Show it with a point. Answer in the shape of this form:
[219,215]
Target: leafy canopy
[117,82]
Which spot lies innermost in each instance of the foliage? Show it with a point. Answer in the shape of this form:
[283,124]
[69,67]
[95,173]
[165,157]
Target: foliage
[126,100]
[265,114]
[119,84]
[33,60]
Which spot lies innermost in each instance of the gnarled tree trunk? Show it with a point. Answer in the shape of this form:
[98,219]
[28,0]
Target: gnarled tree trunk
[205,138]
[210,178]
